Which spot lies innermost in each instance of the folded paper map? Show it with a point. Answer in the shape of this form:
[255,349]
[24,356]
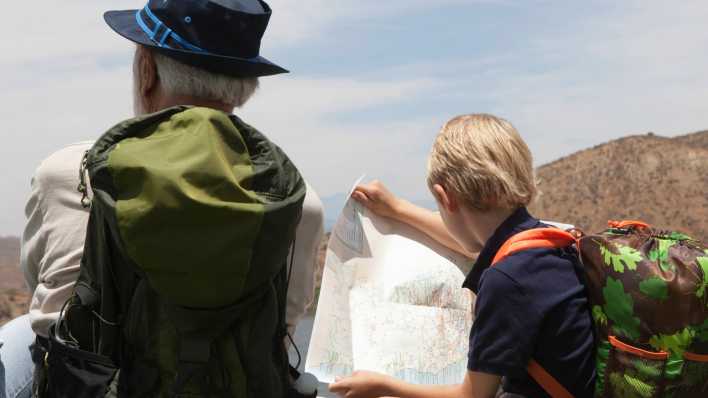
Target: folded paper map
[391,301]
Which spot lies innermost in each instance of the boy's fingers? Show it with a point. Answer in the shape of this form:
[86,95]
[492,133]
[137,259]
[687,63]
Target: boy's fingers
[359,196]
[338,386]
[366,189]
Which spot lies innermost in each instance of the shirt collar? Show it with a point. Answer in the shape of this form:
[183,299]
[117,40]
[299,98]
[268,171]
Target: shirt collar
[517,222]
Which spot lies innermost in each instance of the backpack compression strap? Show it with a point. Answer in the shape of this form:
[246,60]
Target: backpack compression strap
[534,239]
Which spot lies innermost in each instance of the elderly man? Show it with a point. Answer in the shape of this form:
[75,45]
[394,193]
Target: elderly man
[198,53]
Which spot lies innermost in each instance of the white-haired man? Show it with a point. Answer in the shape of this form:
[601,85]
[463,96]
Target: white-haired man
[177,62]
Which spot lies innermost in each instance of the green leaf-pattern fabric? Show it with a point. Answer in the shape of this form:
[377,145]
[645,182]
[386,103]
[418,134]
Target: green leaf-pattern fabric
[649,288]
[599,316]
[701,292]
[702,332]
[619,308]
[646,369]
[661,254]
[673,366]
[675,344]
[679,236]
[655,288]
[602,354]
[626,386]
[627,256]
[642,388]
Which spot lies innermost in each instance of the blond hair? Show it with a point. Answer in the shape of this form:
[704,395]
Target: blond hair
[483,160]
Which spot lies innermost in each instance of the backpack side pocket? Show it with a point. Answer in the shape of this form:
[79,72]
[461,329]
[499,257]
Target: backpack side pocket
[694,376]
[74,373]
[634,372]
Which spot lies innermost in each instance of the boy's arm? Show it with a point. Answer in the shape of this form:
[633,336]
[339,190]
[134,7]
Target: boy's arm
[381,201]
[371,385]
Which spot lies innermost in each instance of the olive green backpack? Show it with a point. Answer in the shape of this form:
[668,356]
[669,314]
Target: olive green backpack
[184,276]
[648,292]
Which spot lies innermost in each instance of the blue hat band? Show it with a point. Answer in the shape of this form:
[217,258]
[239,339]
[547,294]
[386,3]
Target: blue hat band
[161,34]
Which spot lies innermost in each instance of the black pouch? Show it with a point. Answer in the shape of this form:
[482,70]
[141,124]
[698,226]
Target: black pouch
[70,372]
[39,351]
[291,392]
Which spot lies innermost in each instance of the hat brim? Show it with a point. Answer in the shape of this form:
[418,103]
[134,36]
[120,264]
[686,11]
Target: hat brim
[125,24]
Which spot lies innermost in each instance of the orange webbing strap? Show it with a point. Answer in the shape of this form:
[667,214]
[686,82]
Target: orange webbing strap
[627,224]
[545,380]
[534,239]
[695,357]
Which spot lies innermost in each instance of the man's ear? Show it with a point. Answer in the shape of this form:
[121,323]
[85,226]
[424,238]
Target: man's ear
[445,198]
[147,71]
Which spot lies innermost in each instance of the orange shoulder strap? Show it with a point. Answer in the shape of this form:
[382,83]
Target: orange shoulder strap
[547,382]
[532,239]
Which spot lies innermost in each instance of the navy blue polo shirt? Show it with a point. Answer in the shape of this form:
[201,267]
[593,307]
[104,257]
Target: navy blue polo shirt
[531,305]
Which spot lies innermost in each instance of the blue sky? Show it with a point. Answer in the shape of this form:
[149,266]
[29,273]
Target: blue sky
[373,81]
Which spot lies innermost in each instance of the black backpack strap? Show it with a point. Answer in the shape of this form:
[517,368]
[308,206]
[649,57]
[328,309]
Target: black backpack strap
[198,329]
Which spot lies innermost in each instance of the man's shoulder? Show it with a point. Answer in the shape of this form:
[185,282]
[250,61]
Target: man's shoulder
[313,203]
[61,167]
[62,162]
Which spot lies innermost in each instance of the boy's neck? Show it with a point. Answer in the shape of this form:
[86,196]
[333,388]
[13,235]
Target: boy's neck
[483,224]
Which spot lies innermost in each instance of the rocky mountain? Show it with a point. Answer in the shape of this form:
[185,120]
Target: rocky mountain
[659,180]
[14,297]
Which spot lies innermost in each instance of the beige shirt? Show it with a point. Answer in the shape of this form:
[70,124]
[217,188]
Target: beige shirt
[53,240]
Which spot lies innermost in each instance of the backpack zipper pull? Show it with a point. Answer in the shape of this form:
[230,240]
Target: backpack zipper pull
[83,188]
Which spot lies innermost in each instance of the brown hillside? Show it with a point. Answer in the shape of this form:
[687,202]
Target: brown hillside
[10,274]
[698,140]
[663,181]
[9,251]
[14,297]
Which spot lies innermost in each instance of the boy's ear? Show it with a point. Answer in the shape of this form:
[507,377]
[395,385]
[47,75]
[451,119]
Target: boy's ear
[445,198]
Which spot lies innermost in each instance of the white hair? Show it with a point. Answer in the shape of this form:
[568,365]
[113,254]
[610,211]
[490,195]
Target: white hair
[178,78]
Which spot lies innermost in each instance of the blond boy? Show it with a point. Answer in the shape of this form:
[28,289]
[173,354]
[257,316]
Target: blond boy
[531,305]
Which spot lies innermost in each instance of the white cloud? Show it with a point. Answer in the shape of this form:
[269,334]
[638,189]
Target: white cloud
[68,93]
[296,21]
[299,115]
[58,30]
[640,70]
[66,77]
[637,69]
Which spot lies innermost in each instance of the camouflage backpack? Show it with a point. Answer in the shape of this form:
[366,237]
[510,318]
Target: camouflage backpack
[648,290]
[184,274]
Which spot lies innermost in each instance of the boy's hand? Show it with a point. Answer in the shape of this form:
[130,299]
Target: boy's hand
[378,199]
[363,384]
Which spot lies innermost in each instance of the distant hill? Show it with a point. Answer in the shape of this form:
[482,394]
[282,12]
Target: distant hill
[9,251]
[14,297]
[10,274]
[663,181]
[660,180]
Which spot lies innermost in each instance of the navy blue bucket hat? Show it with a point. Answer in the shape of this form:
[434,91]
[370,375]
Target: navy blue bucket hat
[221,36]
